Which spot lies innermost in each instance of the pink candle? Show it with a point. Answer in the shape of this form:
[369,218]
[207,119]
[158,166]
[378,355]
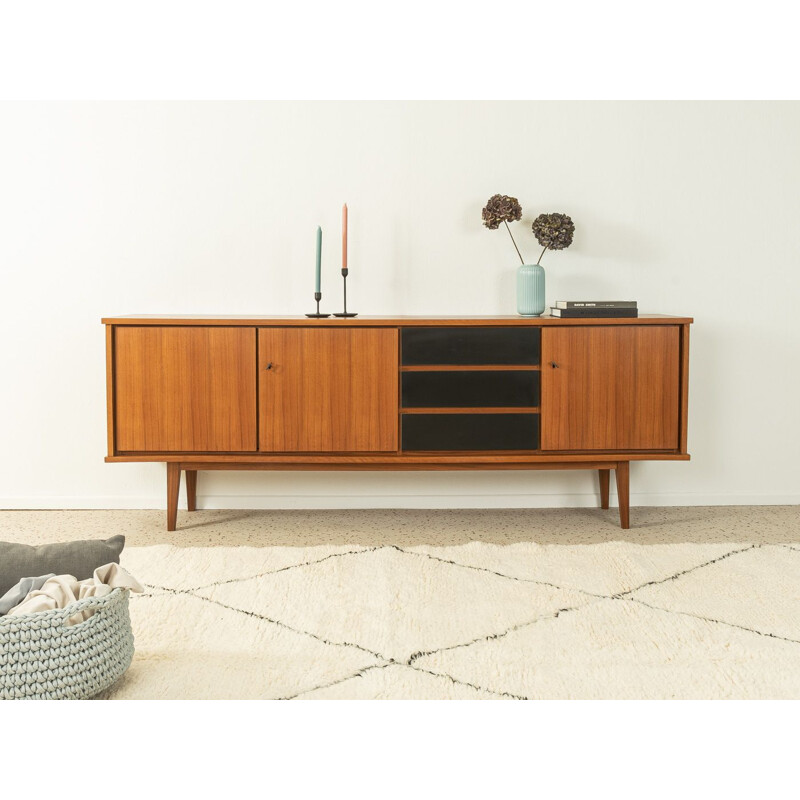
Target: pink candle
[344,236]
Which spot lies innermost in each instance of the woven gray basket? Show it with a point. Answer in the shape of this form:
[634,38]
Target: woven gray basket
[43,658]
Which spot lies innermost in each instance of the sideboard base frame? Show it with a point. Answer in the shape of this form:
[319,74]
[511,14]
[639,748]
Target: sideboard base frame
[191,468]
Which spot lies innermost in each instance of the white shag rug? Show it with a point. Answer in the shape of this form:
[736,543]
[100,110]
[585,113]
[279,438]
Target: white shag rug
[473,620]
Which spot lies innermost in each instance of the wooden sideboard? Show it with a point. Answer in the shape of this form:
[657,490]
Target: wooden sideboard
[400,393]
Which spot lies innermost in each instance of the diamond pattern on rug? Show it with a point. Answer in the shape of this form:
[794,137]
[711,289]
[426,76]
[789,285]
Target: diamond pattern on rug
[758,590]
[626,566]
[190,568]
[394,603]
[396,680]
[619,649]
[187,648]
[694,603]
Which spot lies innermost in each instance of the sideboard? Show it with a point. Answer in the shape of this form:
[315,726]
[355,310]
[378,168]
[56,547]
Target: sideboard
[399,393]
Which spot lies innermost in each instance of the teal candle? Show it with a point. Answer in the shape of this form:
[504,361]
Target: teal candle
[319,260]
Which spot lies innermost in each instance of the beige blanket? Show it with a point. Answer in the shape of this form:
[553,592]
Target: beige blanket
[61,590]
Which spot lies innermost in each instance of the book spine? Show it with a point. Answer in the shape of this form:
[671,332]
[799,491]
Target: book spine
[578,313]
[566,304]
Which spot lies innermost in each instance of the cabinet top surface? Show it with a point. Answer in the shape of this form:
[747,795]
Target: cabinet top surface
[367,321]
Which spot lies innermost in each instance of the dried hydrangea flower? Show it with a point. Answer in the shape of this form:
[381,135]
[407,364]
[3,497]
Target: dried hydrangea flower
[502,208]
[553,232]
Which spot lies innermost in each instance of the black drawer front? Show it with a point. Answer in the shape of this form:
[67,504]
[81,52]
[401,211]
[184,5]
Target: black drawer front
[470,431]
[470,389]
[470,346]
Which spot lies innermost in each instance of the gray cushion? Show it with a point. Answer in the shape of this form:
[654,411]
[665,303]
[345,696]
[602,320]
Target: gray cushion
[80,559]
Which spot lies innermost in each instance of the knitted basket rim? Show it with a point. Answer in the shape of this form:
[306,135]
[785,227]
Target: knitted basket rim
[114,596]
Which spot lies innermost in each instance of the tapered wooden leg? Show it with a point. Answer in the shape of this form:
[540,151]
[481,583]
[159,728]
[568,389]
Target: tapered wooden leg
[191,489]
[604,478]
[623,472]
[173,487]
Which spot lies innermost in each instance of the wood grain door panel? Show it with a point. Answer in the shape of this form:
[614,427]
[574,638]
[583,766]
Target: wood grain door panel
[328,390]
[613,388]
[185,389]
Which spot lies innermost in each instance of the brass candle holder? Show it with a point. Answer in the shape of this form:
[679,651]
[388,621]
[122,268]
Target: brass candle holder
[318,297]
[345,313]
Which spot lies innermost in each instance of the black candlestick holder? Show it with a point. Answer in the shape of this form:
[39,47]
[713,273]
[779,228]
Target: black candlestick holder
[345,313]
[318,297]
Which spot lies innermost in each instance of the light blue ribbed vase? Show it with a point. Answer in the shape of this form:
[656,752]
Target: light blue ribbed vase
[530,290]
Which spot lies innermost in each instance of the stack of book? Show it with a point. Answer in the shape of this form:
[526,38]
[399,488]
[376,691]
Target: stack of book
[577,309]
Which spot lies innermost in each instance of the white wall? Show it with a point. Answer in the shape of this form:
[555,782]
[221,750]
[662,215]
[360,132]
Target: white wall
[113,208]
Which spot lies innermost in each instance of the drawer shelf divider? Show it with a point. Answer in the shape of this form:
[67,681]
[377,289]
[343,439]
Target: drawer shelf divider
[481,410]
[472,368]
